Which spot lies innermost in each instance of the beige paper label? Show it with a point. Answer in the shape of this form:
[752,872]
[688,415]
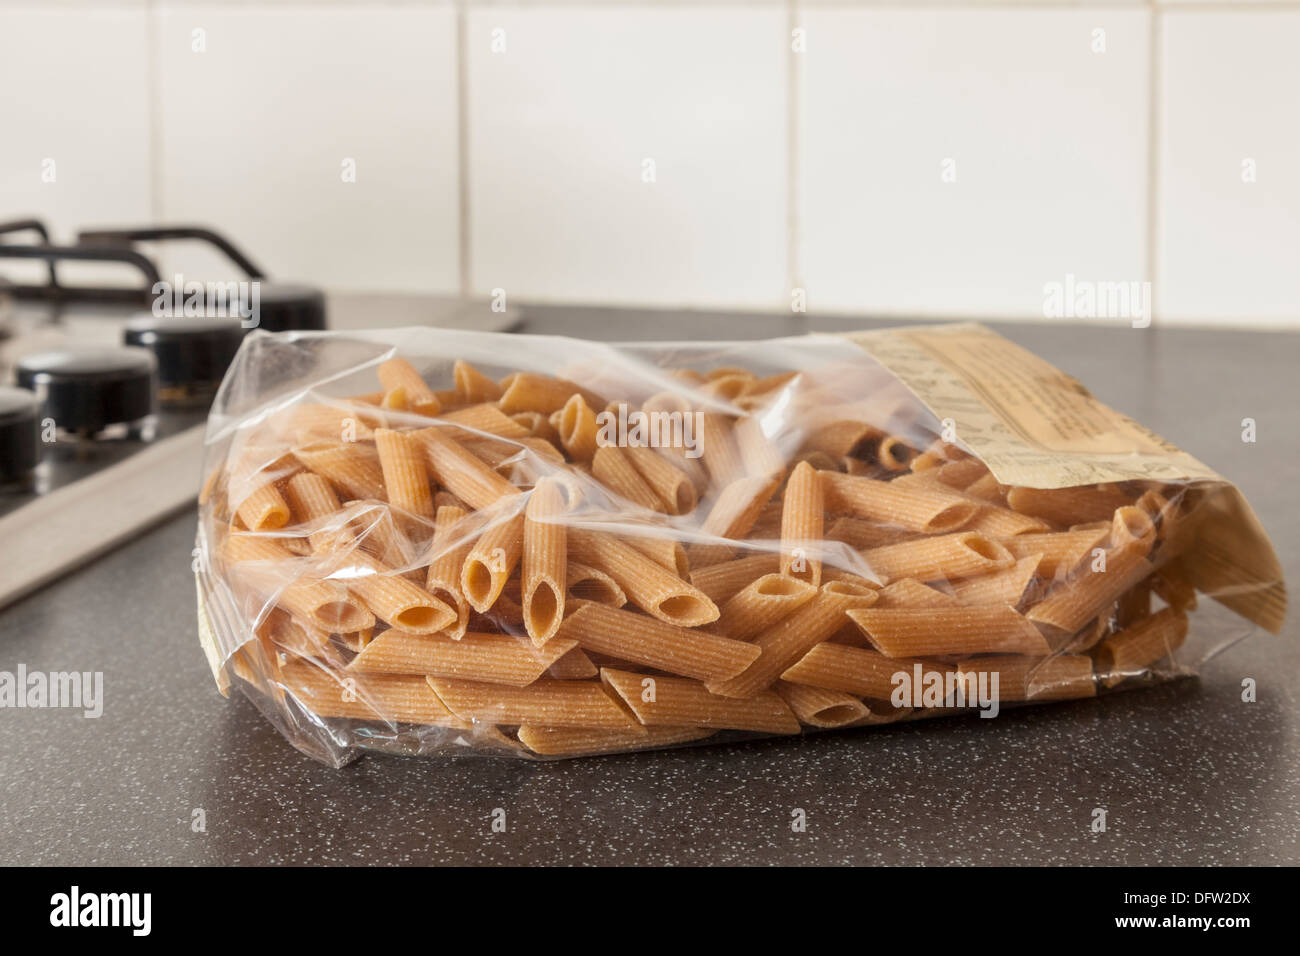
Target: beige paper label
[1035,426]
[1032,424]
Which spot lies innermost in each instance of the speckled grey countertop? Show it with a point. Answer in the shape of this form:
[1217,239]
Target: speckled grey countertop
[1187,772]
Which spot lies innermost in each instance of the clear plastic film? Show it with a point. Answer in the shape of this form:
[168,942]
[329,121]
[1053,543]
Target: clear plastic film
[426,541]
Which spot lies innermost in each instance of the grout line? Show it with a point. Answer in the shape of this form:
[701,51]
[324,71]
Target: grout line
[1155,89]
[462,150]
[155,114]
[793,156]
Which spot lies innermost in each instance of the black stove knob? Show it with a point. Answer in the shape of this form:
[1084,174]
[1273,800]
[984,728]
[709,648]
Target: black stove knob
[87,389]
[286,306]
[192,353]
[19,440]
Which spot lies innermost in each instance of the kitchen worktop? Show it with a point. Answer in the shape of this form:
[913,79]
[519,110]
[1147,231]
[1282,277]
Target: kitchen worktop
[1187,772]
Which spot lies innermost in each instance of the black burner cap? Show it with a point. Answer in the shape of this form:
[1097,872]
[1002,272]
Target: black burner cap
[287,306]
[191,352]
[88,389]
[19,443]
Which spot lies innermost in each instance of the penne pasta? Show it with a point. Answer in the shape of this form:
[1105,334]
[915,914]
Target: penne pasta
[647,584]
[491,561]
[643,640]
[802,518]
[676,701]
[545,702]
[545,561]
[1060,677]
[789,639]
[734,512]
[491,658]
[721,582]
[472,385]
[612,467]
[402,462]
[591,584]
[927,632]
[818,707]
[761,604]
[959,555]
[580,742]
[451,545]
[398,373]
[1133,650]
[457,470]
[858,671]
[919,507]
[377,697]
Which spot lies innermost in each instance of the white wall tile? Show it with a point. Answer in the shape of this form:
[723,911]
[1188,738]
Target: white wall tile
[1048,137]
[561,122]
[1230,249]
[77,94]
[256,129]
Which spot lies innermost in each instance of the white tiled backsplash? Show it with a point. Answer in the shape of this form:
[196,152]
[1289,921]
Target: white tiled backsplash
[942,158]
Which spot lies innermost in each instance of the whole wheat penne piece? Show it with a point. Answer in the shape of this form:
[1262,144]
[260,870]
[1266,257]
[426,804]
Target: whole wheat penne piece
[458,470]
[264,509]
[1067,506]
[959,473]
[718,449]
[538,425]
[644,640]
[803,514]
[1134,604]
[721,582]
[674,701]
[987,489]
[759,455]
[909,592]
[842,439]
[733,514]
[959,555]
[648,584]
[399,373]
[530,392]
[1006,587]
[451,545]
[1060,551]
[312,499]
[545,561]
[351,467]
[320,602]
[1059,677]
[1074,602]
[393,598]
[767,526]
[546,702]
[491,658]
[1134,649]
[1089,635]
[491,561]
[613,468]
[727,385]
[895,453]
[573,665]
[1129,525]
[400,698]
[665,551]
[671,484]
[578,429]
[591,584]
[818,707]
[858,670]
[580,742]
[401,458]
[792,637]
[863,534]
[487,419]
[308,423]
[918,507]
[761,604]
[472,385]
[998,522]
[927,632]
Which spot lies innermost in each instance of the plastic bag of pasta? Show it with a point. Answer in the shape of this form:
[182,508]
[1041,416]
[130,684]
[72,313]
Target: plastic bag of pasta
[426,541]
